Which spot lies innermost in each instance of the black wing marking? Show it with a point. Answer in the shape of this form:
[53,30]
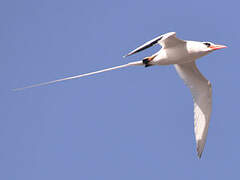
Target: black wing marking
[145,46]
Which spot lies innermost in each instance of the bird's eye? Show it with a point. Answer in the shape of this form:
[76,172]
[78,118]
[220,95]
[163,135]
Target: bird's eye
[207,44]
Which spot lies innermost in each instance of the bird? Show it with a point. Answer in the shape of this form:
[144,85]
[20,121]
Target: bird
[182,54]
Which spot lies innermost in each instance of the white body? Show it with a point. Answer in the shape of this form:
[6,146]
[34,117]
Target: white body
[182,53]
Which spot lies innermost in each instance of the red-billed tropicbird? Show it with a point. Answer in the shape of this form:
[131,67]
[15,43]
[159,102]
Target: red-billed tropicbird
[182,54]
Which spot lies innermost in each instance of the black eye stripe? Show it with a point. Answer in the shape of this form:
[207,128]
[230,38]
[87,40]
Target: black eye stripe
[207,44]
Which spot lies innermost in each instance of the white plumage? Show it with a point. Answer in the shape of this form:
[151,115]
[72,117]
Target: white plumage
[202,96]
[182,54]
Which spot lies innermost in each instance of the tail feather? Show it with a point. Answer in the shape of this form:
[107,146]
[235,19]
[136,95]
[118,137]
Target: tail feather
[78,76]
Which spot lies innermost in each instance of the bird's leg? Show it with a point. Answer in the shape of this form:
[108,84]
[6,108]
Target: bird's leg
[146,60]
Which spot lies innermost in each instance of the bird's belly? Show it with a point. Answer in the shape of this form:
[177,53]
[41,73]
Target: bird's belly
[172,60]
[169,61]
[173,56]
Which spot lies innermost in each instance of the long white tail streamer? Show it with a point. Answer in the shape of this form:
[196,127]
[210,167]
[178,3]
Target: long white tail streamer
[79,76]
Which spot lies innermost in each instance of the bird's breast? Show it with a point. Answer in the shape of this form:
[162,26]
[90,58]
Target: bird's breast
[175,55]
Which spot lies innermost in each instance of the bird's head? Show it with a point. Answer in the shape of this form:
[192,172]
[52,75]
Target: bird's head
[198,49]
[209,46]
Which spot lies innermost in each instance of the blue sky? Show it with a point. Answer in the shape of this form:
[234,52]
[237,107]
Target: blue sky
[133,123]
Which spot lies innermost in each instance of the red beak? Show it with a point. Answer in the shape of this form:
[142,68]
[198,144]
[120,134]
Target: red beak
[215,47]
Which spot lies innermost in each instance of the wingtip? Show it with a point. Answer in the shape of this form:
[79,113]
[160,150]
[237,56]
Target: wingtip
[200,147]
[199,155]
[199,151]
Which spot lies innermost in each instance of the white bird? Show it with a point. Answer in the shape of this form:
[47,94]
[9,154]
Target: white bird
[182,54]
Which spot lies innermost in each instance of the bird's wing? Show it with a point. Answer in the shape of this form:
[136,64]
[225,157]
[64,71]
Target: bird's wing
[170,40]
[202,96]
[165,40]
